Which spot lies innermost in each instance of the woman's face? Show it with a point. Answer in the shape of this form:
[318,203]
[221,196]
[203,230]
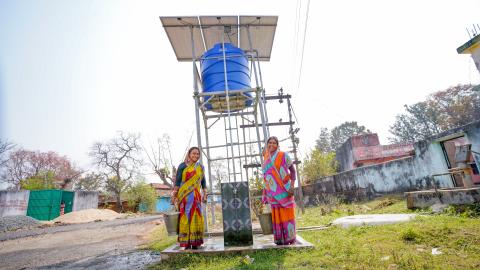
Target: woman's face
[194,155]
[272,145]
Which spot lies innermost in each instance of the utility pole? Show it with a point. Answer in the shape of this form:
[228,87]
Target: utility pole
[295,142]
[292,131]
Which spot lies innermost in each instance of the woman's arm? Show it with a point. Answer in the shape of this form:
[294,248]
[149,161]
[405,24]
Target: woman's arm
[178,181]
[293,177]
[204,188]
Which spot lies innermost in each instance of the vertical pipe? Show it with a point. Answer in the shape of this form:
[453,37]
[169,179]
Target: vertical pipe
[227,98]
[207,142]
[263,91]
[262,115]
[197,109]
[239,148]
[245,148]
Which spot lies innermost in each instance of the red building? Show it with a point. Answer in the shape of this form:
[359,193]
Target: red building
[161,189]
[364,150]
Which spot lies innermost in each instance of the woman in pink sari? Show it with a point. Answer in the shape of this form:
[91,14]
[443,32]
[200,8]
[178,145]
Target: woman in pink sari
[279,179]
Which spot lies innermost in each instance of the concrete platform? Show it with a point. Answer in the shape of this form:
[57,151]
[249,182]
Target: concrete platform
[376,219]
[214,246]
[427,198]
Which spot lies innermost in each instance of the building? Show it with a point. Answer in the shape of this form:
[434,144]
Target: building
[163,197]
[161,189]
[363,150]
[447,160]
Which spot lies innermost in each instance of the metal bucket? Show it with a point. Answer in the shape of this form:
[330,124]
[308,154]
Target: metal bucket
[171,222]
[266,223]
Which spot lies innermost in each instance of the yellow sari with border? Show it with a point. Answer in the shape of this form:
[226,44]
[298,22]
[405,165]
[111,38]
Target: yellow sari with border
[191,223]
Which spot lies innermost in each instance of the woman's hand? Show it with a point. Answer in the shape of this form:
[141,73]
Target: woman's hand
[204,196]
[174,200]
[291,191]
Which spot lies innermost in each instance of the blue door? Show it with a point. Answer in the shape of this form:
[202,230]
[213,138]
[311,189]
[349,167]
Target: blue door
[163,204]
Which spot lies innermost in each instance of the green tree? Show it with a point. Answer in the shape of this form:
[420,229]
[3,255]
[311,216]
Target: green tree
[341,133]
[141,193]
[318,164]
[39,182]
[92,182]
[323,143]
[441,111]
[330,141]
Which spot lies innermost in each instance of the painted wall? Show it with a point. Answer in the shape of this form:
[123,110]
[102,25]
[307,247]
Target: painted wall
[85,200]
[14,203]
[405,174]
[344,156]
[163,204]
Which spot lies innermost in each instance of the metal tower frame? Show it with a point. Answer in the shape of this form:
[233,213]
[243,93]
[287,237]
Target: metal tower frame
[254,35]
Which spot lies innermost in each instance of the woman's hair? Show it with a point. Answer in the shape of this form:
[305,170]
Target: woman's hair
[273,138]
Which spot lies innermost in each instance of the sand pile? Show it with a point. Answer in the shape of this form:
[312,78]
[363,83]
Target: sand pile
[87,215]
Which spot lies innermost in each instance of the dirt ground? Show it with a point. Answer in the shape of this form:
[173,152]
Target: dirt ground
[85,246]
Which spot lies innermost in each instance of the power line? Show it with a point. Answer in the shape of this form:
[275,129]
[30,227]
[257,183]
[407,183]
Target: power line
[303,47]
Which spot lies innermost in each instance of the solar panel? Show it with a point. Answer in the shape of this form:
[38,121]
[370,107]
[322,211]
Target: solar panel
[205,31]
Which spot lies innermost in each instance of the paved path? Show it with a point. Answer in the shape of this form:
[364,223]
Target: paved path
[97,245]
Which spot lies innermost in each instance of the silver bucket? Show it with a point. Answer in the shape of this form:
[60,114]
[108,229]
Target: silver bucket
[266,223]
[171,222]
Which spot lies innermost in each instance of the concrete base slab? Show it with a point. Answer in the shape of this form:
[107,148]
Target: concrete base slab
[214,246]
[427,198]
[377,219]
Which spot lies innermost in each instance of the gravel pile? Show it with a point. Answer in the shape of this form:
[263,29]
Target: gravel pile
[87,215]
[12,223]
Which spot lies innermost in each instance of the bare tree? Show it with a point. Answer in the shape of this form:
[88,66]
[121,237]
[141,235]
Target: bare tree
[160,159]
[5,147]
[219,174]
[119,160]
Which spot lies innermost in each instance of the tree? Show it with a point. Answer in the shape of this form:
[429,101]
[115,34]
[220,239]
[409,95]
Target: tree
[23,164]
[323,142]
[330,141]
[119,160]
[139,193]
[442,110]
[160,159]
[5,147]
[343,132]
[317,165]
[219,174]
[90,182]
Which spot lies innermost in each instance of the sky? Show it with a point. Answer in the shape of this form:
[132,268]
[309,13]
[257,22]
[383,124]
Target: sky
[75,72]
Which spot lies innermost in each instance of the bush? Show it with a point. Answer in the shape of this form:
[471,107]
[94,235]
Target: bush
[409,234]
[141,193]
[464,210]
[38,182]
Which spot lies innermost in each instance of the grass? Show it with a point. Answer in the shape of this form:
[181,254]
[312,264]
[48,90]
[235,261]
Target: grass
[397,246]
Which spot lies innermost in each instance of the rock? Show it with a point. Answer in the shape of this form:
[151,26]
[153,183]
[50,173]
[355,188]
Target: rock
[438,207]
[436,251]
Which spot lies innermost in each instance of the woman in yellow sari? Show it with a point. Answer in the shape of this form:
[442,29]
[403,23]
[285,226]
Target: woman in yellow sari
[189,181]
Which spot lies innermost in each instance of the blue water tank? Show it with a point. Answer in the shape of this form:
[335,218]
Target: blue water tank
[238,76]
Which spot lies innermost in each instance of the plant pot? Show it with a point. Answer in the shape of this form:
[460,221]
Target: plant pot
[266,223]
[171,222]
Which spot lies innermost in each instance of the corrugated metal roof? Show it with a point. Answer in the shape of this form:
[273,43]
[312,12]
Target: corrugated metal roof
[208,30]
